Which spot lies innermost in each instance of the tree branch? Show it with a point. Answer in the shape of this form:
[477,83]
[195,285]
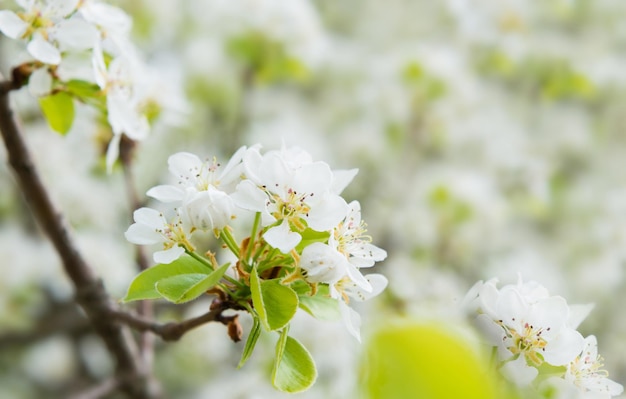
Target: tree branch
[90,293]
[174,331]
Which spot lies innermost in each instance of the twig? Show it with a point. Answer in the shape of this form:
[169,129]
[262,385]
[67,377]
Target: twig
[101,390]
[174,331]
[90,293]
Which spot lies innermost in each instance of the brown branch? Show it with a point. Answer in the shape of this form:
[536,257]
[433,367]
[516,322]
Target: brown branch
[174,331]
[90,292]
[145,308]
[101,390]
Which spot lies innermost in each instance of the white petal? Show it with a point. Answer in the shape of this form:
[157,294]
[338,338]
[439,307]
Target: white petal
[578,313]
[12,25]
[60,8]
[141,234]
[166,193]
[366,254]
[323,263]
[282,237]
[351,319]
[76,34]
[150,217]
[124,117]
[40,83]
[341,179]
[519,372]
[113,152]
[43,51]
[563,348]
[248,196]
[185,166]
[169,255]
[109,17]
[327,214]
[315,179]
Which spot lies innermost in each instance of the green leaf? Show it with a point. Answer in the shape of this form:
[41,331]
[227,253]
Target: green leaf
[82,88]
[294,371]
[257,298]
[186,287]
[58,109]
[281,303]
[321,307]
[143,286]
[253,337]
[309,236]
[276,304]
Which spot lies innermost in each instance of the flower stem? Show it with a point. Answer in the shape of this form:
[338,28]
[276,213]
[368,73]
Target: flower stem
[205,262]
[255,228]
[230,242]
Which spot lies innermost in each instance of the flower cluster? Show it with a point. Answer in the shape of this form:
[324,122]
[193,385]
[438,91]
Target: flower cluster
[304,234]
[82,50]
[536,339]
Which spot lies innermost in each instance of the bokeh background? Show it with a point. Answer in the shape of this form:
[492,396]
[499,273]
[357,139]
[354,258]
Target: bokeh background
[490,136]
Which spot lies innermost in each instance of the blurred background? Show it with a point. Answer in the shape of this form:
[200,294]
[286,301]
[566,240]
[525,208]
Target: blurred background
[490,136]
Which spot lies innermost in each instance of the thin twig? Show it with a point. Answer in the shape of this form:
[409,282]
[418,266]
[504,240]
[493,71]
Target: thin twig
[90,293]
[174,331]
[101,390]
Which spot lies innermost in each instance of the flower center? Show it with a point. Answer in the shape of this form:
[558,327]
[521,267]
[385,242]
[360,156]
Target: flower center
[527,342]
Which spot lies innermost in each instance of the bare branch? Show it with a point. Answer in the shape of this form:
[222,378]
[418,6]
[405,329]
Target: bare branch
[105,388]
[90,293]
[174,331]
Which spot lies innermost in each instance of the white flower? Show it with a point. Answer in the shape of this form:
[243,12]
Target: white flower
[349,289]
[151,227]
[199,175]
[48,28]
[525,323]
[211,209]
[349,239]
[587,374]
[287,186]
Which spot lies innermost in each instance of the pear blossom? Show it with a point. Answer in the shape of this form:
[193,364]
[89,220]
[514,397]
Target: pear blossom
[198,175]
[587,374]
[528,327]
[151,227]
[292,192]
[48,28]
[350,290]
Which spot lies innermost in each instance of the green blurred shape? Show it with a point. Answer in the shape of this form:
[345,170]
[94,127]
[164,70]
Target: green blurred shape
[425,361]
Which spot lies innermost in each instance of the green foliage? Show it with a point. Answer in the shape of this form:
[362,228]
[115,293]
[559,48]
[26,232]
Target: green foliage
[294,368]
[276,304]
[144,284]
[253,337]
[58,109]
[411,360]
[186,287]
[309,236]
[320,306]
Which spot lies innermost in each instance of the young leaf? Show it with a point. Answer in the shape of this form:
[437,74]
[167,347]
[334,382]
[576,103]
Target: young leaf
[174,288]
[257,298]
[82,88]
[253,337]
[281,303]
[321,307]
[58,109]
[276,304]
[295,370]
[187,287]
[143,286]
[309,236]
